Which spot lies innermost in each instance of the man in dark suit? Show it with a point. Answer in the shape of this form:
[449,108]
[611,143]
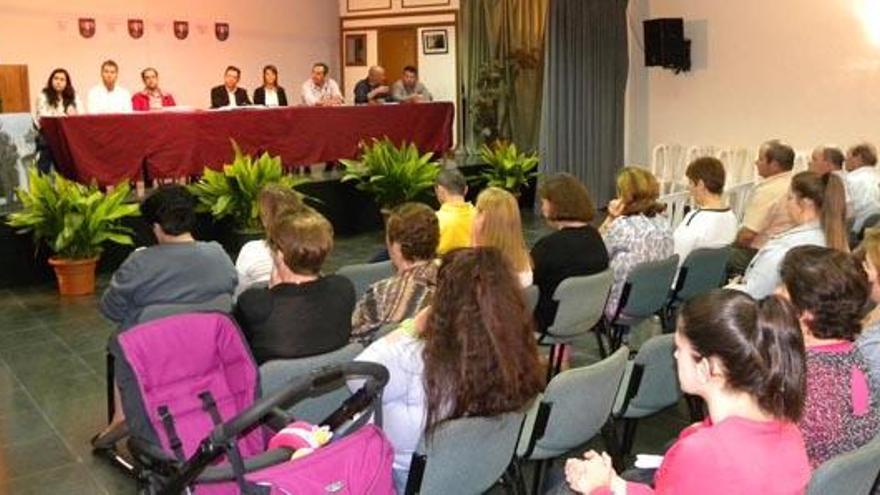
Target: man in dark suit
[229,94]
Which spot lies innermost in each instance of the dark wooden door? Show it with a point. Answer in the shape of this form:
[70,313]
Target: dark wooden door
[398,47]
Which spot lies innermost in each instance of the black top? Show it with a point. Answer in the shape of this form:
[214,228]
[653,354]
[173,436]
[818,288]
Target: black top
[220,97]
[362,90]
[293,321]
[260,96]
[568,252]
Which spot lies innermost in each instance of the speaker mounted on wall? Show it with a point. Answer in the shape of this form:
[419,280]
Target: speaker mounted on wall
[666,46]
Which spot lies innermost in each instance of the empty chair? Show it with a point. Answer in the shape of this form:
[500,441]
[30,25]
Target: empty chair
[581,308]
[276,374]
[364,275]
[644,295]
[649,385]
[574,407]
[703,270]
[465,456]
[856,472]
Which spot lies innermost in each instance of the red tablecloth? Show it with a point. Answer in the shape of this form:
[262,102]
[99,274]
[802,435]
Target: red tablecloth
[115,148]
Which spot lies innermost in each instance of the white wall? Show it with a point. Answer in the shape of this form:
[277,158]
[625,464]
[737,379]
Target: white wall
[292,35]
[806,71]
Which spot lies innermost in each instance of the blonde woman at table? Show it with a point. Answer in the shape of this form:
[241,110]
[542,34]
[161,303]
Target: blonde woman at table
[57,99]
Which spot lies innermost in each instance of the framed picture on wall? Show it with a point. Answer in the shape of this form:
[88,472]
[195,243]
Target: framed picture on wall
[355,50]
[434,41]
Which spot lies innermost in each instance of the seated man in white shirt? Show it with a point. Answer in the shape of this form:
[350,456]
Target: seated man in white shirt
[863,181]
[108,97]
[320,90]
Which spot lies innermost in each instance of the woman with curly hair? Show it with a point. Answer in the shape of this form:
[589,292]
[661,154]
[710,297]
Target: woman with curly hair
[830,291]
[472,353]
[57,99]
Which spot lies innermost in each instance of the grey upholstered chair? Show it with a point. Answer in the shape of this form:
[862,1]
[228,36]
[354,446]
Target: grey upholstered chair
[856,472]
[366,274]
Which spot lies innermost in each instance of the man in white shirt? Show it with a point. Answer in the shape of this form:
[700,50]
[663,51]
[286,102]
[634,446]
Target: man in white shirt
[319,90]
[863,182]
[107,97]
[829,159]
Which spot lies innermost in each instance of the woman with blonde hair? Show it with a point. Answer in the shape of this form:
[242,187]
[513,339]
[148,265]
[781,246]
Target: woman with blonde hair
[634,231]
[498,224]
[869,341]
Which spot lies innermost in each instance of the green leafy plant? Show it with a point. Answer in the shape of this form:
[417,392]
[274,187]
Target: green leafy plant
[75,220]
[391,174]
[233,192]
[509,168]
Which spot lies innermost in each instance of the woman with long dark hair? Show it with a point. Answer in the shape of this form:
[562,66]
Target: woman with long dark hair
[270,93]
[472,353]
[745,358]
[57,99]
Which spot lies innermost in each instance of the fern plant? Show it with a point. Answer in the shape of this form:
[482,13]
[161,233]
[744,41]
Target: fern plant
[391,174]
[509,168]
[233,192]
[75,220]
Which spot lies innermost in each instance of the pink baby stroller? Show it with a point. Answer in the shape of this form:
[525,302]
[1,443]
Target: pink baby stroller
[190,392]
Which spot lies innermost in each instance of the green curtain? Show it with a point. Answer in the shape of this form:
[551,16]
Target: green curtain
[509,33]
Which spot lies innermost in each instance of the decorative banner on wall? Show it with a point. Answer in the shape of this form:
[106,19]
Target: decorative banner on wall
[221,30]
[87,27]
[181,29]
[136,28]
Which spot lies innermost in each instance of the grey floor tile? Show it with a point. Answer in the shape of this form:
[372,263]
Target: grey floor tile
[72,479]
[37,454]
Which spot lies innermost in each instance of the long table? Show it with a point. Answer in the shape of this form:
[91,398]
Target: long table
[127,147]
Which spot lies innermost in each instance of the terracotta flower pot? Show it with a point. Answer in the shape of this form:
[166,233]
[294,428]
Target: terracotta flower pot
[75,277]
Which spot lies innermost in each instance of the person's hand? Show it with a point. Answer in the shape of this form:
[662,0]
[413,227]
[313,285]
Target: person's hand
[594,471]
[615,208]
[421,319]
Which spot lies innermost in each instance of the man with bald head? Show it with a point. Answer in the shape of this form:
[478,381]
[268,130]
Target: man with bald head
[372,89]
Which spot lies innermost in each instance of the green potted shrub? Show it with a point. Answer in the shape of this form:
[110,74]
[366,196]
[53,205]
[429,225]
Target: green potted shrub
[232,193]
[75,221]
[508,168]
[392,174]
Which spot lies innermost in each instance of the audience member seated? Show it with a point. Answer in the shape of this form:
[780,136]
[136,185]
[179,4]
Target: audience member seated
[765,213]
[830,292]
[498,224]
[178,270]
[574,249]
[229,94]
[254,263]
[471,353]
[863,181]
[745,358]
[57,99]
[372,89]
[301,313]
[869,341]
[816,205]
[108,97]
[408,89]
[829,160]
[634,230]
[270,93]
[320,90]
[151,97]
[711,224]
[456,216]
[411,235]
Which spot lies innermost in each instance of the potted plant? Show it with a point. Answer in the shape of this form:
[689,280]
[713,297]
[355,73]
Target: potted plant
[508,168]
[391,174]
[233,192]
[75,221]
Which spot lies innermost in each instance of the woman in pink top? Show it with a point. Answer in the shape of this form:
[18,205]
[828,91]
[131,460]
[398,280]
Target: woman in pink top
[830,291]
[745,358]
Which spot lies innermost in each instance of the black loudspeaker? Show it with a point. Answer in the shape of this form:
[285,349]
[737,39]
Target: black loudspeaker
[665,45]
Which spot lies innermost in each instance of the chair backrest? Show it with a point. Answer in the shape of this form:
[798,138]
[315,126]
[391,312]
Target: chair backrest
[854,472]
[579,402]
[275,375]
[221,303]
[532,295]
[646,289]
[364,275]
[703,270]
[655,377]
[465,455]
[581,303]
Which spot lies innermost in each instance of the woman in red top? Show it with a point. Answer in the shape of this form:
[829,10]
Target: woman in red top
[745,358]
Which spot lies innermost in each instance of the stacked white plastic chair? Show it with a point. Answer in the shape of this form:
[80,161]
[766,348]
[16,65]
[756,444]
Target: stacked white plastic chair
[666,165]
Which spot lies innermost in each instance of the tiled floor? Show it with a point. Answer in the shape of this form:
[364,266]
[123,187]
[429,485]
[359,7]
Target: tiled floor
[52,388]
